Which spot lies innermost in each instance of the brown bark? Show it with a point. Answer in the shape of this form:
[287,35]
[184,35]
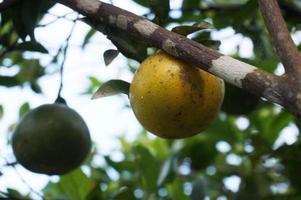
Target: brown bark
[281,37]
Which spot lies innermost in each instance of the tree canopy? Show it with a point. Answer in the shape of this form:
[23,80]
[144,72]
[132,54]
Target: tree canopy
[241,148]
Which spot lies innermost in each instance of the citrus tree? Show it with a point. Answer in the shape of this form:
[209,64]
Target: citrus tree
[230,140]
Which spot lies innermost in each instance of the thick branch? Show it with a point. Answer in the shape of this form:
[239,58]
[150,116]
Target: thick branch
[281,37]
[231,70]
[7,4]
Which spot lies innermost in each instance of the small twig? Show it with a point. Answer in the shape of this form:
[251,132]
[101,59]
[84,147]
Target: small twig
[58,17]
[64,50]
[53,21]
[13,165]
[281,37]
[7,4]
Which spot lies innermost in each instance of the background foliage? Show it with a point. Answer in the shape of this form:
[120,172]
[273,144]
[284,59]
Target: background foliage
[239,147]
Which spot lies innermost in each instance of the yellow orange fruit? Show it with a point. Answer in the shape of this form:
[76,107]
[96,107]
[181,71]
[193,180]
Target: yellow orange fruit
[173,99]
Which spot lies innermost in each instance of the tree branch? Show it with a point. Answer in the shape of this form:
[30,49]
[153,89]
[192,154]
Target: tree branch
[7,4]
[248,77]
[281,38]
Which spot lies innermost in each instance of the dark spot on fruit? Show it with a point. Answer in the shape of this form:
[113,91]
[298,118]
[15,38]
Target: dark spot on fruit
[179,114]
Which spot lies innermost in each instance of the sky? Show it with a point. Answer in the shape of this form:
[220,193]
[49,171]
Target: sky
[106,117]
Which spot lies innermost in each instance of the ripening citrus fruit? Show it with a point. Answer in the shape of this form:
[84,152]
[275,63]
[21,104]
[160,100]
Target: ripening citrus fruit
[173,99]
[51,139]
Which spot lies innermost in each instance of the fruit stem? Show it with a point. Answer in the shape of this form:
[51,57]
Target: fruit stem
[64,50]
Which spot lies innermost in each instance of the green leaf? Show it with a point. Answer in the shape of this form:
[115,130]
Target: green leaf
[35,87]
[186,30]
[30,70]
[147,166]
[26,14]
[124,194]
[94,85]
[199,189]
[128,46]
[269,122]
[53,191]
[201,152]
[112,87]
[1,111]
[110,55]
[30,14]
[12,193]
[15,14]
[31,46]
[167,172]
[144,3]
[88,36]
[125,165]
[235,96]
[9,81]
[213,44]
[75,185]
[175,189]
[25,107]
[161,9]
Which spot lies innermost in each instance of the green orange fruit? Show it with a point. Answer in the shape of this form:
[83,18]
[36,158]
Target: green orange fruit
[51,139]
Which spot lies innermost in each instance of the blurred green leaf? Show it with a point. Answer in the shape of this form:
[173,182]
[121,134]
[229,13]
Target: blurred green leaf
[31,46]
[176,192]
[88,37]
[161,9]
[186,30]
[270,122]
[75,185]
[148,167]
[201,151]
[14,194]
[190,4]
[124,194]
[112,87]
[167,172]
[1,111]
[124,165]
[110,55]
[30,70]
[238,101]
[199,189]
[25,107]
[35,87]
[128,46]
[9,81]
[30,14]
[144,3]
[93,86]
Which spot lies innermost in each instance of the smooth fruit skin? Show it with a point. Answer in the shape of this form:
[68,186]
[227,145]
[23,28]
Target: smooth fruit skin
[51,139]
[173,99]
